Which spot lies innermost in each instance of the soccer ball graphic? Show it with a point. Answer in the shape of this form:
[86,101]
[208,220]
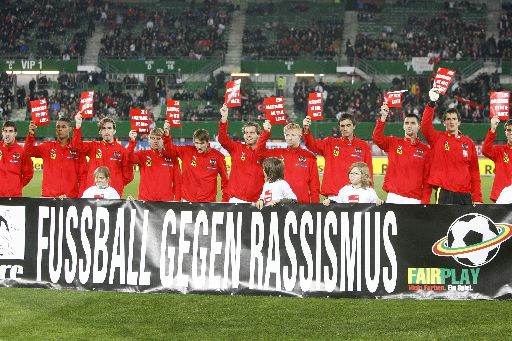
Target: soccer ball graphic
[469,230]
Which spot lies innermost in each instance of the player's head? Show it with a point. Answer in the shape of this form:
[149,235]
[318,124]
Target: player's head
[359,174]
[9,132]
[201,140]
[508,131]
[292,134]
[251,131]
[155,139]
[102,177]
[451,119]
[107,127]
[273,168]
[63,128]
[411,125]
[347,125]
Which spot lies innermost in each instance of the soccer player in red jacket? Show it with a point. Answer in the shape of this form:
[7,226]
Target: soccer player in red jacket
[159,173]
[339,153]
[408,162]
[454,161]
[501,155]
[107,152]
[16,169]
[200,166]
[61,162]
[246,177]
[300,167]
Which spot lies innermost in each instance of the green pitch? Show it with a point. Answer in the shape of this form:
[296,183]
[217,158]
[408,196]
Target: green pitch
[42,314]
[33,189]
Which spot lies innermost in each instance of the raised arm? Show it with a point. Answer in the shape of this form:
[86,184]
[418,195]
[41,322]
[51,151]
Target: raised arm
[170,149]
[378,133]
[489,149]
[261,144]
[314,145]
[225,141]
[427,127]
[76,141]
[133,156]
[30,148]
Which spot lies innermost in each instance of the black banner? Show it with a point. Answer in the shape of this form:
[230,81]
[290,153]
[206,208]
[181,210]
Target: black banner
[356,250]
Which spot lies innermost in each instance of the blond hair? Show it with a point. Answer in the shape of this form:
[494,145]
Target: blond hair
[366,181]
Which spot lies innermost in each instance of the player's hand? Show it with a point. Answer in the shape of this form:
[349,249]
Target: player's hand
[267,125]
[384,112]
[477,203]
[224,113]
[433,94]
[132,135]
[306,123]
[167,128]
[326,202]
[78,120]
[63,196]
[494,123]
[259,204]
[32,128]
[379,202]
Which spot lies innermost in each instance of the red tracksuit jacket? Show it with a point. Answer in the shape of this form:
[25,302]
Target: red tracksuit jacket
[111,155]
[16,170]
[300,169]
[61,166]
[159,174]
[339,154]
[408,165]
[199,172]
[501,155]
[454,162]
[246,178]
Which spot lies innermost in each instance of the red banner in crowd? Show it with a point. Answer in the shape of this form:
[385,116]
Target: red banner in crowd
[86,104]
[140,120]
[274,110]
[394,98]
[232,96]
[173,114]
[499,106]
[315,106]
[39,112]
[444,78]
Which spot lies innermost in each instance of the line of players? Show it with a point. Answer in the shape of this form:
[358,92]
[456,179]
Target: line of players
[448,164]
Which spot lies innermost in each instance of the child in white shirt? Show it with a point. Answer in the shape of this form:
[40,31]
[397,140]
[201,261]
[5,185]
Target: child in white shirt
[505,196]
[276,189]
[101,189]
[359,190]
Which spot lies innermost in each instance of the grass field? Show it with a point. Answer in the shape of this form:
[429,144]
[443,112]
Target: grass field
[49,314]
[33,189]
[45,314]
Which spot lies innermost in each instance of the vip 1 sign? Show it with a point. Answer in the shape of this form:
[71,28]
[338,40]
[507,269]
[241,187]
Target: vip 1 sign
[140,120]
[39,112]
[315,106]
[444,78]
[500,105]
[274,110]
[394,98]
[86,104]
[232,96]
[173,114]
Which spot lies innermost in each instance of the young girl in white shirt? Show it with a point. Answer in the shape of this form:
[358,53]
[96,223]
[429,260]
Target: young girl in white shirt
[276,189]
[101,189]
[359,190]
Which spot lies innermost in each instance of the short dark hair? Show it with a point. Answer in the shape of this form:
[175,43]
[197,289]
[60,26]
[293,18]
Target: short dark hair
[10,124]
[251,124]
[413,116]
[508,123]
[451,111]
[347,117]
[202,135]
[273,168]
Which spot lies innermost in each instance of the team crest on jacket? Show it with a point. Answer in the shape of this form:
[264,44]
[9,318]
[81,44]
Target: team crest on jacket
[16,157]
[148,161]
[358,150]
[193,163]
[419,153]
[446,146]
[99,154]
[399,150]
[213,163]
[336,151]
[116,156]
[505,158]
[303,162]
[53,154]
[243,156]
